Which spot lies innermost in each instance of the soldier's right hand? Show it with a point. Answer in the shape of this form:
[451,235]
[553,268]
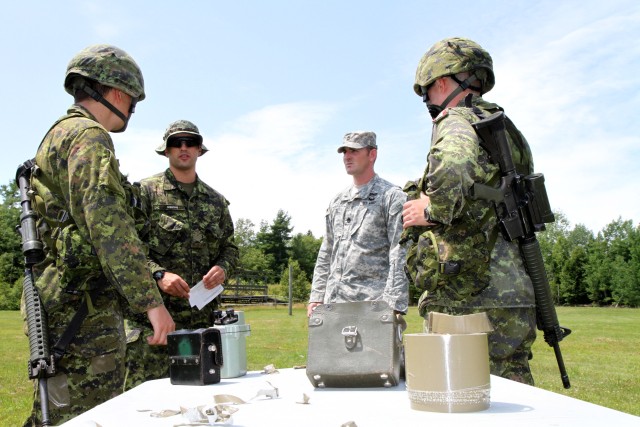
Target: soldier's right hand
[174,285]
[312,306]
[162,323]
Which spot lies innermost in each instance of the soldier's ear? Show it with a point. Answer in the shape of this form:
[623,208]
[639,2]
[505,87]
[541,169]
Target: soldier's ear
[373,154]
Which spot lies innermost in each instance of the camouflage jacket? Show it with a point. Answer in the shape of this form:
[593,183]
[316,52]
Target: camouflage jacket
[360,258]
[188,234]
[455,162]
[87,224]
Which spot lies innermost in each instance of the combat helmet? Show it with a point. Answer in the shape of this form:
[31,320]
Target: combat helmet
[109,66]
[179,127]
[452,56]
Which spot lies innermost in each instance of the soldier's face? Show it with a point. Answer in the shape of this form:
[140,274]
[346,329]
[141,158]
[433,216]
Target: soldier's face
[183,157]
[356,162]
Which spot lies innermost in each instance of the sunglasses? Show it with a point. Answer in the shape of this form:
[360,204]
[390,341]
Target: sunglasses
[425,94]
[132,107]
[177,142]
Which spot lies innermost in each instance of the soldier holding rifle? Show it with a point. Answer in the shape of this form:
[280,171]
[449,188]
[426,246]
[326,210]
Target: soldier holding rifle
[94,262]
[465,250]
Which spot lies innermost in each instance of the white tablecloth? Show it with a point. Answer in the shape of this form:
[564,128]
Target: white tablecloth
[512,404]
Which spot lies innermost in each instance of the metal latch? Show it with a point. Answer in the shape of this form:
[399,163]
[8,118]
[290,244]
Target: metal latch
[350,334]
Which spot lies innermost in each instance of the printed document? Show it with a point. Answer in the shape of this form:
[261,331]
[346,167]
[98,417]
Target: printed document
[199,296]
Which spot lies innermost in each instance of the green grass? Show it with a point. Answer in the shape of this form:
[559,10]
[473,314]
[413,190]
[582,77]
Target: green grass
[16,390]
[601,354]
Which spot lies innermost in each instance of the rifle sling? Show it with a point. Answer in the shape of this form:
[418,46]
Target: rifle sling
[67,336]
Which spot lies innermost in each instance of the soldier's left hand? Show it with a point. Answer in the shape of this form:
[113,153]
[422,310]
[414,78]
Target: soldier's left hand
[216,276]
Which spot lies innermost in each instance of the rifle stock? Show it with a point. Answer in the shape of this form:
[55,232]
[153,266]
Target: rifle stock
[522,208]
[41,362]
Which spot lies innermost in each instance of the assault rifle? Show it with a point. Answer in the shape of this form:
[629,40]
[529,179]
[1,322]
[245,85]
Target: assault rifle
[41,362]
[522,208]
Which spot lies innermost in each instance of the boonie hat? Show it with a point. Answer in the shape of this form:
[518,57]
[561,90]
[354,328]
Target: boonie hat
[358,140]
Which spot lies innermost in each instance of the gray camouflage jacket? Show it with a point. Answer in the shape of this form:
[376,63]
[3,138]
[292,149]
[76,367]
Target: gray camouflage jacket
[360,258]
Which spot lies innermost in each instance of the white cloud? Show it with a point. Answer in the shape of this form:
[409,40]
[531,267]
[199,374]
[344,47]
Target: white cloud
[572,98]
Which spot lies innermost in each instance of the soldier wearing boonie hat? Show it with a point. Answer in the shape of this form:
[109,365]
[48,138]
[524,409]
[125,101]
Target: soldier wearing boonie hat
[190,239]
[358,140]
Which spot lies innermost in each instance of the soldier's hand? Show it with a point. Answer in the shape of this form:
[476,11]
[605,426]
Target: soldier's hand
[216,276]
[174,285]
[401,321]
[413,212]
[162,323]
[311,307]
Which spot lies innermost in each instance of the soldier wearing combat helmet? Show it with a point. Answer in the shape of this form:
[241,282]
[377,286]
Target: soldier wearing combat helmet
[190,240]
[476,269]
[94,256]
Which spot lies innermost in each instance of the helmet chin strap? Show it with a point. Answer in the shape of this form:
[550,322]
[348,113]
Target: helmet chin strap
[101,99]
[435,110]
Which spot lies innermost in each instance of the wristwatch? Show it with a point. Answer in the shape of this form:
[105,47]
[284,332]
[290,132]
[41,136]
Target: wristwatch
[427,216]
[158,275]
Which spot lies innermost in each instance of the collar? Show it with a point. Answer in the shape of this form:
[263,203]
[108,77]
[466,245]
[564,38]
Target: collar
[367,191]
[171,183]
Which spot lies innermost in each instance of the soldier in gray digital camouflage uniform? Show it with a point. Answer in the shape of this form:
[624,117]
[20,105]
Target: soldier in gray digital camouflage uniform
[360,258]
[456,252]
[89,233]
[190,239]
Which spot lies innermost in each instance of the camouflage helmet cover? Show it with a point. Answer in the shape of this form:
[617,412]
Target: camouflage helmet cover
[180,127]
[109,66]
[452,56]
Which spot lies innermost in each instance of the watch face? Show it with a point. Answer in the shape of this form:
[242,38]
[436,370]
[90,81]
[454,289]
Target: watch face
[158,275]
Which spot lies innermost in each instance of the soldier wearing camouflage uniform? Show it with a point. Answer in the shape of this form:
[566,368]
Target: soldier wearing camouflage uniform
[477,270]
[360,258]
[93,254]
[190,239]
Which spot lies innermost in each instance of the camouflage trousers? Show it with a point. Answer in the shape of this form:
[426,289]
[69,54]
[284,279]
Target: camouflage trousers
[92,369]
[514,331]
[144,362]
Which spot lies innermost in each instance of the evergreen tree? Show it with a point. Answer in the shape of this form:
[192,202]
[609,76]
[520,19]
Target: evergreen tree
[571,280]
[304,249]
[300,286]
[251,257]
[274,241]
[608,278]
[11,258]
[553,248]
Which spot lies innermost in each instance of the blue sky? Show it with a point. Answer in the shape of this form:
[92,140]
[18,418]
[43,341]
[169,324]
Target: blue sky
[274,85]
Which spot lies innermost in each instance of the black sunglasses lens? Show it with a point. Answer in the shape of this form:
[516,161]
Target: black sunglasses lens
[132,107]
[425,93]
[177,142]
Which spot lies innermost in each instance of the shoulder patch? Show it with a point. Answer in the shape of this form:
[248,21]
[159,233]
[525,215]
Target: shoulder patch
[441,116]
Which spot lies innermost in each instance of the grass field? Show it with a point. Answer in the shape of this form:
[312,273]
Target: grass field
[601,355]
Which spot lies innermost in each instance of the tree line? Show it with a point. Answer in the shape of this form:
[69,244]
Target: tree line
[583,268]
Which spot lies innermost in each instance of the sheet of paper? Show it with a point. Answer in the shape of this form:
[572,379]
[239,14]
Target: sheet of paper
[199,296]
